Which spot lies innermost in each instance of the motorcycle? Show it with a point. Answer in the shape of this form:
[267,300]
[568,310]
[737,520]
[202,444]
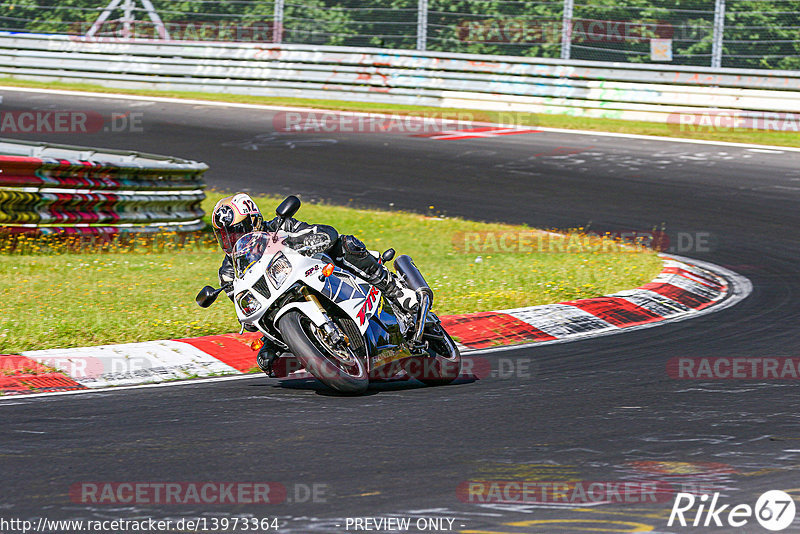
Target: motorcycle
[338,327]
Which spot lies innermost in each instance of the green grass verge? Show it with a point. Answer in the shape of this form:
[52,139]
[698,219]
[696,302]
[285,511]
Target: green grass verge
[791,139]
[72,299]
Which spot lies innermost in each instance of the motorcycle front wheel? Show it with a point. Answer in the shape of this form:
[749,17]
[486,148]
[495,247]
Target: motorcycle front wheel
[340,370]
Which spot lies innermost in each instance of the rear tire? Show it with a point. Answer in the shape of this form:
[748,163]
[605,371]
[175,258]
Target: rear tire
[297,331]
[442,365]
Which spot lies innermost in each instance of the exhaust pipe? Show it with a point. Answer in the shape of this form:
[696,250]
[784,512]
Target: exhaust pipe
[414,279]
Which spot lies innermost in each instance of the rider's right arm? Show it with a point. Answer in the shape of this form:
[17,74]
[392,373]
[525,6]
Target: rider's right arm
[226,276]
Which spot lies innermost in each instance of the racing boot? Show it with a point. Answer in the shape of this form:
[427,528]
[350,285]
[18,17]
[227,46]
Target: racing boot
[267,356]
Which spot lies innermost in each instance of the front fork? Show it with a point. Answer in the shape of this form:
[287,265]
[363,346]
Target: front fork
[334,334]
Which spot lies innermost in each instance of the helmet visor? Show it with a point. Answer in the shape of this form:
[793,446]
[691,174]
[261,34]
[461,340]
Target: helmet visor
[248,250]
[227,237]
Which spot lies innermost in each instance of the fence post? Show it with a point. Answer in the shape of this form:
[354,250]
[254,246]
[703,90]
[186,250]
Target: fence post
[422,25]
[127,17]
[566,29]
[277,23]
[159,24]
[719,30]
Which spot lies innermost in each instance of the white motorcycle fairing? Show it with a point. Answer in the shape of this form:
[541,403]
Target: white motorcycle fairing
[356,298]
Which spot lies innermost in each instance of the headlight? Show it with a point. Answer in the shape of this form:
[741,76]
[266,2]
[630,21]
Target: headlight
[248,303]
[279,268]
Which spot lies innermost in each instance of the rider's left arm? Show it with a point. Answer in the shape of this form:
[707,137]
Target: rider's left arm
[310,239]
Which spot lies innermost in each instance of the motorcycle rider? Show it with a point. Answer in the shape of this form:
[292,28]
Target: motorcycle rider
[237,215]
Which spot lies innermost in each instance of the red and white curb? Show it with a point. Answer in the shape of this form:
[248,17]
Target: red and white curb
[684,289]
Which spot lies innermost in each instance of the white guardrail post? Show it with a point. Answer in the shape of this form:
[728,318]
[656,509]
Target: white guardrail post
[277,23]
[422,25]
[719,32]
[566,29]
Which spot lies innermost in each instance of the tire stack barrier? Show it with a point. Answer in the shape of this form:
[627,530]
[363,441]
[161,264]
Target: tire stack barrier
[58,189]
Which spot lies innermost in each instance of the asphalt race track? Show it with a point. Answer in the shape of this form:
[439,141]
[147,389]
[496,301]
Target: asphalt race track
[603,409]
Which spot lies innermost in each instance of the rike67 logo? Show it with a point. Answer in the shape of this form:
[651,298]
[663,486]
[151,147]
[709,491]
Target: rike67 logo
[774,510]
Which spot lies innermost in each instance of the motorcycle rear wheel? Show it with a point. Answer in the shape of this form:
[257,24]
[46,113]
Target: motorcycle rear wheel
[299,333]
[442,364]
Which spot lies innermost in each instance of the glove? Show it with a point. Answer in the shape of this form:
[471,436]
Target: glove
[227,287]
[308,244]
[226,276]
[294,242]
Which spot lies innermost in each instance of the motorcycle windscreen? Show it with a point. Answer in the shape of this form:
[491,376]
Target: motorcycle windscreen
[248,250]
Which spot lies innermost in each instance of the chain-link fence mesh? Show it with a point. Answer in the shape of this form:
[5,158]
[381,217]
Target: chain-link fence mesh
[623,31]
[498,27]
[761,34]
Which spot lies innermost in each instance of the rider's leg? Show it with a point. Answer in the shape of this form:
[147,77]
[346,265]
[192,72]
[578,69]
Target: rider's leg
[351,253]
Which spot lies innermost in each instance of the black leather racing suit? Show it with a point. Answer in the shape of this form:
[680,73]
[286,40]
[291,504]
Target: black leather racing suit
[347,252]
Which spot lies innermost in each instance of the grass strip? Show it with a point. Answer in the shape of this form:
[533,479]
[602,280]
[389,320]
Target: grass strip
[57,298]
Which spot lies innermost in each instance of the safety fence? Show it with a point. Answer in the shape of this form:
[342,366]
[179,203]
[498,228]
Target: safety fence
[62,190]
[677,95]
[757,34]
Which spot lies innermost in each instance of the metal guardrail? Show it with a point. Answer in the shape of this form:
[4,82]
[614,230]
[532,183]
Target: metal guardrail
[499,83]
[62,189]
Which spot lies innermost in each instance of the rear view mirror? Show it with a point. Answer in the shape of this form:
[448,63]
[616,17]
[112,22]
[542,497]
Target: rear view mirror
[388,255]
[288,207]
[207,296]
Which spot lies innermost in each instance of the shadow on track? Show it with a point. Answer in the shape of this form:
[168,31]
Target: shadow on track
[375,387]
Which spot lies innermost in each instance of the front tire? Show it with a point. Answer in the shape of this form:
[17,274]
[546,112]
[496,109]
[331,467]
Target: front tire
[299,333]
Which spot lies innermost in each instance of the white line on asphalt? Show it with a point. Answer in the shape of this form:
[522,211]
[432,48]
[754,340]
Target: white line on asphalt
[765,151]
[8,400]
